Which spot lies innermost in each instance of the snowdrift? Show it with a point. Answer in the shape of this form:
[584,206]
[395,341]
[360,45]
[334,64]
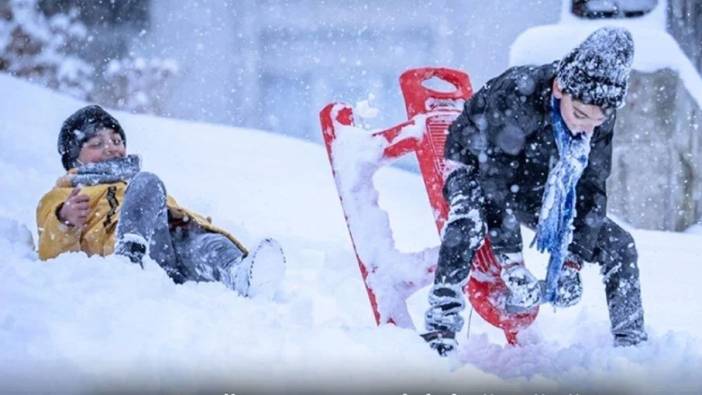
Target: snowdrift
[79,324]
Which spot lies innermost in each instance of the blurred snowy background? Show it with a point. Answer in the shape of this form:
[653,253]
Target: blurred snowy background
[273,65]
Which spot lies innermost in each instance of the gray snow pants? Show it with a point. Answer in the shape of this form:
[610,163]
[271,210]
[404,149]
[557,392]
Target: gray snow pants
[615,252]
[186,253]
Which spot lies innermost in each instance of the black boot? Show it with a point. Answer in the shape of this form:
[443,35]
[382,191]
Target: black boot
[444,342]
[629,339]
[443,318]
[133,250]
[570,288]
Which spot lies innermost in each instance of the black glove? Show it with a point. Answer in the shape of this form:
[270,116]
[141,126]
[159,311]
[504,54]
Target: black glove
[569,289]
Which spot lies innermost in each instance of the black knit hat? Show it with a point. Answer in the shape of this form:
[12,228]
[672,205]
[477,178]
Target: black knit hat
[81,126]
[597,71]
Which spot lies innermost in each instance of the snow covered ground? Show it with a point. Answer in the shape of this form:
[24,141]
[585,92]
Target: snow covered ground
[79,324]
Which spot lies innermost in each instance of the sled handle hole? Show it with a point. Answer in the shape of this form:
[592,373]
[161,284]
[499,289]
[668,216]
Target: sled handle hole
[440,85]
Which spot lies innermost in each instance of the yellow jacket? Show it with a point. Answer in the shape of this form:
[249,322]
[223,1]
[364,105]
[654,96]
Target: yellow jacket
[97,236]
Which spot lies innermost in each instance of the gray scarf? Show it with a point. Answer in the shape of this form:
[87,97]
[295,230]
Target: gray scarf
[107,172]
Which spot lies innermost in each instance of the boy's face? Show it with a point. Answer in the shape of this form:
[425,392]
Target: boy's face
[105,145]
[578,116]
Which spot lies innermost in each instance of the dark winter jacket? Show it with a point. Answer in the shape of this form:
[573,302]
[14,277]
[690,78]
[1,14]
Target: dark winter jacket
[505,138]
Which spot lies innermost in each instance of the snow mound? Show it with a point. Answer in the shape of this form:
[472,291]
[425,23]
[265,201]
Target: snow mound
[90,324]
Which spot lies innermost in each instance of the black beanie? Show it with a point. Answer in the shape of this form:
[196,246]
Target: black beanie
[597,71]
[81,126]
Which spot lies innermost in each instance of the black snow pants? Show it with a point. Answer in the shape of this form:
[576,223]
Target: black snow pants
[471,218]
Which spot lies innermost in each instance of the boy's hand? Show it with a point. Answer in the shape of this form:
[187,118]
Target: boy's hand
[75,210]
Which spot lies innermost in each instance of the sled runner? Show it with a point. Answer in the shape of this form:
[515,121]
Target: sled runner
[355,154]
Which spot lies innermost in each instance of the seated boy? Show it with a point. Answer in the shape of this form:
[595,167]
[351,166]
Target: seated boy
[105,204]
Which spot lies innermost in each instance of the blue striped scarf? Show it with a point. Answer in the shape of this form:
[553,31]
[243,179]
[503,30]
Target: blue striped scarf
[554,232]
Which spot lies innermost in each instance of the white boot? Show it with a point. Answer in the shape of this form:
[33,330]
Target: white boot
[261,273]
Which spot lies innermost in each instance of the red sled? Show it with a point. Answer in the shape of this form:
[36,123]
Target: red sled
[356,154]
